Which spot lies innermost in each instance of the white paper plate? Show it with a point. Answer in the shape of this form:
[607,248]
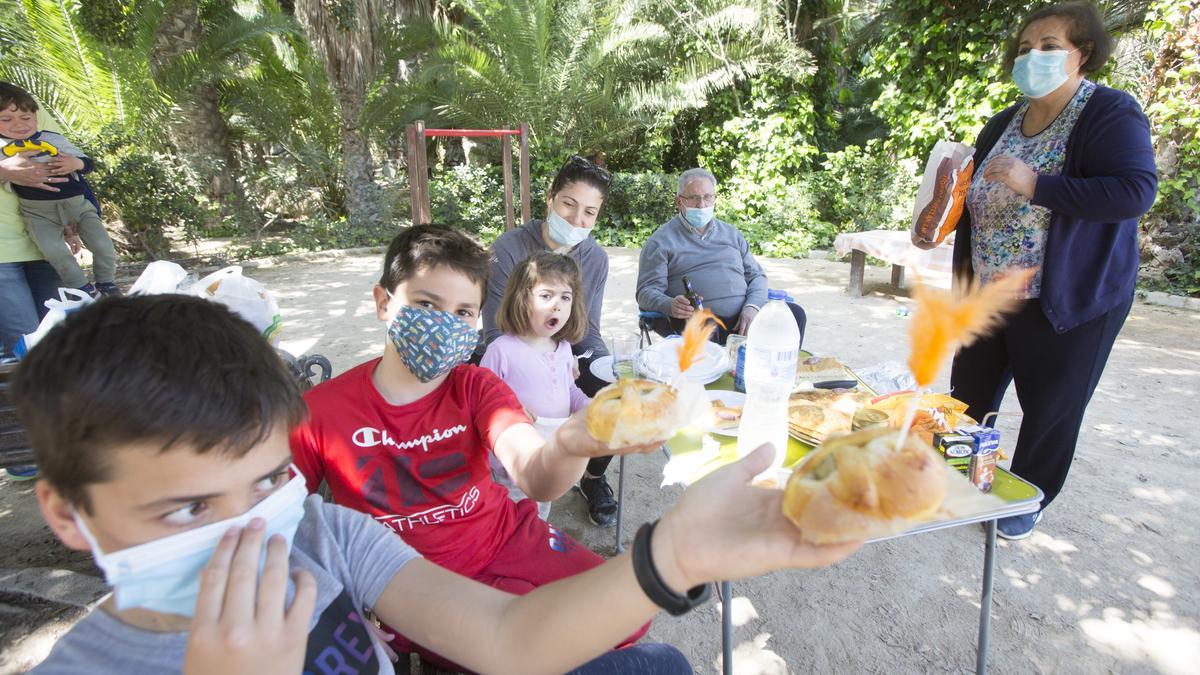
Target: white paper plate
[602,368]
[711,365]
[729,398]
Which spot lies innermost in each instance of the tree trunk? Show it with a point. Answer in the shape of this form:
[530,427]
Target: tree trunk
[362,198]
[197,126]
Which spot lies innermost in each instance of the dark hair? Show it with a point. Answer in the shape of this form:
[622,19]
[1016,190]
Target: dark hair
[513,315]
[1085,29]
[577,169]
[424,246]
[12,95]
[173,370]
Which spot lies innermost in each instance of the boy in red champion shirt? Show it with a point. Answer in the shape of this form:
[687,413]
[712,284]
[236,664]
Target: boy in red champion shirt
[405,437]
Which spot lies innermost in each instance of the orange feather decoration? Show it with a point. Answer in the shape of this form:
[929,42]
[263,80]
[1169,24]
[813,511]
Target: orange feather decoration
[696,332]
[944,322]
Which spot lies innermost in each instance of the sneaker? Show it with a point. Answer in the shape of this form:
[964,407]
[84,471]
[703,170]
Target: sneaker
[1015,528]
[19,473]
[108,288]
[90,290]
[602,508]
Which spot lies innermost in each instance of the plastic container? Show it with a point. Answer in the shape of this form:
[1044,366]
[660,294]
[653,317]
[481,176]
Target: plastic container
[772,349]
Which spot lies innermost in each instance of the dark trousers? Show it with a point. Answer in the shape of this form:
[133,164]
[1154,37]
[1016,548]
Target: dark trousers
[590,384]
[665,325]
[1055,375]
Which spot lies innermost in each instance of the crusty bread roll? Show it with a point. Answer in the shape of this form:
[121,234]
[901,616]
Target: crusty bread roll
[860,485]
[631,411]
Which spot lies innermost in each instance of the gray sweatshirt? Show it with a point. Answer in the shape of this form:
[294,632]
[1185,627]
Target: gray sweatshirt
[718,263]
[518,244]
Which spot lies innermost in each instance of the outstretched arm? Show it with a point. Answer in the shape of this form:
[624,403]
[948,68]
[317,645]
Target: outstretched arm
[721,528]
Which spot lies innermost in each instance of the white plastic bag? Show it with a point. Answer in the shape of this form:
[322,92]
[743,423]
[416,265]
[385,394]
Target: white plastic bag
[69,300]
[942,194]
[160,276]
[248,298]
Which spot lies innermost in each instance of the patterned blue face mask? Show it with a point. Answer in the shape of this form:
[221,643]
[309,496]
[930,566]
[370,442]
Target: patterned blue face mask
[431,342]
[1037,73]
[164,575]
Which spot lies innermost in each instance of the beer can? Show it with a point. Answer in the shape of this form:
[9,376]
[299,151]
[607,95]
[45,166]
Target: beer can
[867,417]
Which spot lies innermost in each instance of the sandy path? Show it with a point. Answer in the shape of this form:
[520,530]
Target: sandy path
[1107,583]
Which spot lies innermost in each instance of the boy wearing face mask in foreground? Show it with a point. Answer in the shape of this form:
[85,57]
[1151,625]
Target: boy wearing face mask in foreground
[165,454]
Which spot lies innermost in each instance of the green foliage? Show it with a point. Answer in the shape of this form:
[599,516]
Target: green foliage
[1172,228]
[585,74]
[471,198]
[149,193]
[43,50]
[637,204]
[865,188]
[940,67]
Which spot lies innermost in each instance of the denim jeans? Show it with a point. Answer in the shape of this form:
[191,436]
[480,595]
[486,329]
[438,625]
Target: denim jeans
[645,658]
[24,287]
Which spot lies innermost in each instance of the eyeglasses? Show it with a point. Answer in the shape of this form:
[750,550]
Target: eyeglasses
[702,200]
[590,167]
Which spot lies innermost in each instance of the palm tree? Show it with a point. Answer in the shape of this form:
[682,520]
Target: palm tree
[588,73]
[197,124]
[44,51]
[344,35]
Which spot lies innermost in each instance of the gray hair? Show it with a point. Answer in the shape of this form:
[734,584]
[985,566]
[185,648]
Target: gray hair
[695,174]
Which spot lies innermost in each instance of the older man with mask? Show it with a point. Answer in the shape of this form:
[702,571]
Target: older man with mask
[712,254]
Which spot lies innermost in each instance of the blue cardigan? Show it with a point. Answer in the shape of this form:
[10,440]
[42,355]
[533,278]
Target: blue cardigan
[1108,181]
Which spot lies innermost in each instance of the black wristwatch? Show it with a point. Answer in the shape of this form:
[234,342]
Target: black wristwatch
[652,584]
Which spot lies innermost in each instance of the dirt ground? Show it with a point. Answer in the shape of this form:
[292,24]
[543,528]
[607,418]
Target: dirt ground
[1108,582]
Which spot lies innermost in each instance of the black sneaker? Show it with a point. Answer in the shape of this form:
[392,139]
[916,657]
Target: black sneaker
[90,290]
[108,288]
[602,508]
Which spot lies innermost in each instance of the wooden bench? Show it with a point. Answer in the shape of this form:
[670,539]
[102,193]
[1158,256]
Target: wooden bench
[308,369]
[896,248]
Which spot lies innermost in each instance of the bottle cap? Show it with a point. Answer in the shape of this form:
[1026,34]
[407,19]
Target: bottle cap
[774,294]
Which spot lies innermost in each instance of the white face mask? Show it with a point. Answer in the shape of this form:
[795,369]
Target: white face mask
[564,233]
[164,575]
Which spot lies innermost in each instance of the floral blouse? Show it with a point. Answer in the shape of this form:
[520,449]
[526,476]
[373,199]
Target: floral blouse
[1008,232]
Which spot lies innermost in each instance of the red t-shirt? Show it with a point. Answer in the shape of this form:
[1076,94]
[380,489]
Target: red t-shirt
[421,468]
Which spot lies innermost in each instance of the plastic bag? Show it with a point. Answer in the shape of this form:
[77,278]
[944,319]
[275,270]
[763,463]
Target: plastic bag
[160,276]
[942,193]
[887,377]
[248,298]
[69,300]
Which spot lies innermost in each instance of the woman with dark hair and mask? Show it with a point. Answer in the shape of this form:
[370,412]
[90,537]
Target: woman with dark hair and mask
[572,205]
[1061,179]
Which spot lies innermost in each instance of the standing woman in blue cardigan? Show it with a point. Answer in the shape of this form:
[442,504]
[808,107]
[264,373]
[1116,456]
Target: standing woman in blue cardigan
[1061,180]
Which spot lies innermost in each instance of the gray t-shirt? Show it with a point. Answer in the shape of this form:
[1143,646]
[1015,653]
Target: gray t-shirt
[718,264]
[519,243]
[352,558]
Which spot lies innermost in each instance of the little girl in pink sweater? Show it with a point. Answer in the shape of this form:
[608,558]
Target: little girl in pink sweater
[541,314]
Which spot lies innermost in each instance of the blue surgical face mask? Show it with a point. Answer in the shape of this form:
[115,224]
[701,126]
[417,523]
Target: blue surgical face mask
[564,233]
[1037,73]
[164,575]
[698,218]
[430,342]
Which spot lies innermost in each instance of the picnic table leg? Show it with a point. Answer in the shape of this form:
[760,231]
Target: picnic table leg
[858,262]
[726,628]
[985,600]
[620,500]
[897,276]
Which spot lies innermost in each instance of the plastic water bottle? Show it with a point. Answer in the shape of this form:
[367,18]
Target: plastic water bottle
[772,347]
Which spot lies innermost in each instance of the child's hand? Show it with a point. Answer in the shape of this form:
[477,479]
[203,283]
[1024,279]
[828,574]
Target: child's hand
[63,165]
[573,438]
[724,528]
[71,237]
[241,624]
